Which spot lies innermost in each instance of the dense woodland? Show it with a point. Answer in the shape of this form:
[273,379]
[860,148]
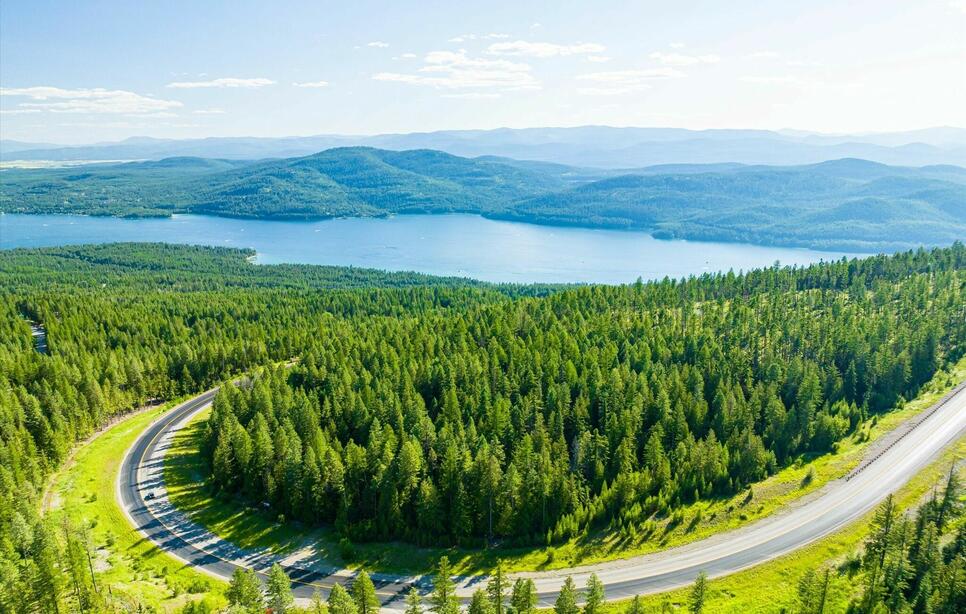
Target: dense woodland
[509,414]
[848,204]
[537,420]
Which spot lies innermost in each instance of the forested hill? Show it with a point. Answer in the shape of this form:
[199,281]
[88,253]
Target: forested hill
[447,412]
[844,204]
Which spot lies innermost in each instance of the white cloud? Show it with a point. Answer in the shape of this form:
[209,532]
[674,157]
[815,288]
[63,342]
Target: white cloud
[598,58]
[315,84]
[680,59]
[677,45]
[18,111]
[156,114]
[763,55]
[617,82]
[958,5]
[472,37]
[377,44]
[473,95]
[89,100]
[223,82]
[456,70]
[774,80]
[408,56]
[542,50]
[213,111]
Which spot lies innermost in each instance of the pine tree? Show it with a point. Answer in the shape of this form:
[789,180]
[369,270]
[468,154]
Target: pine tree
[244,592]
[697,597]
[636,606]
[595,595]
[479,604]
[364,594]
[317,605]
[524,597]
[496,588]
[443,599]
[414,603]
[279,590]
[340,602]
[813,592]
[567,598]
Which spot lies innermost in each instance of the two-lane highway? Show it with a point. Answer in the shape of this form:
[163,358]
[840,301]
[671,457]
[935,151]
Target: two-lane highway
[143,496]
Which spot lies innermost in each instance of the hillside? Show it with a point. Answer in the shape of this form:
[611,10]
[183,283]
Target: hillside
[844,204]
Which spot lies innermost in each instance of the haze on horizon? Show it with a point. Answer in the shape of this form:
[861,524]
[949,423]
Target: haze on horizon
[108,70]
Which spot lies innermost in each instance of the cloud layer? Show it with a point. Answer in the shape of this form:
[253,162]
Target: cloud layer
[542,50]
[615,82]
[457,70]
[88,100]
[223,82]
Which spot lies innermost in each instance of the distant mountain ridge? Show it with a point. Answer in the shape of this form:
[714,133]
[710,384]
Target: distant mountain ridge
[589,146]
[847,204]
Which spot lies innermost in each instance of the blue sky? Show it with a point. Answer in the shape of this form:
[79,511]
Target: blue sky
[76,72]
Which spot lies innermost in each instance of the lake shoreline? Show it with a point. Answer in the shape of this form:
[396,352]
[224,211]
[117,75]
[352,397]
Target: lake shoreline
[660,234]
[449,245]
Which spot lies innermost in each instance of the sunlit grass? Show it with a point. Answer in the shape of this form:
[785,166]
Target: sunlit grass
[129,567]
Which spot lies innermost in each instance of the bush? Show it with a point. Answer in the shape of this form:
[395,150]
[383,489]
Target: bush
[347,549]
[809,477]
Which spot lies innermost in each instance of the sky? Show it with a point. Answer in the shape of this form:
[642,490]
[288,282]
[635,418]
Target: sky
[82,72]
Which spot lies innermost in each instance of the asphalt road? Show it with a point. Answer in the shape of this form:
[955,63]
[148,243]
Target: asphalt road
[142,495]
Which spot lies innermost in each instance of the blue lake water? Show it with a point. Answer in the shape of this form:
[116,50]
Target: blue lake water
[463,245]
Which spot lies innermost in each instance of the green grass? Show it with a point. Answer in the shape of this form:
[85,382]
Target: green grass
[185,474]
[134,571]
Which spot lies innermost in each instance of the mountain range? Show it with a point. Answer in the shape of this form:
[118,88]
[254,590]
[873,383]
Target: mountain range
[589,146]
[846,204]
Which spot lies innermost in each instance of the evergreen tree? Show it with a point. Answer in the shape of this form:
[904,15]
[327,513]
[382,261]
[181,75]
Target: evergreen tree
[567,598]
[813,592]
[523,600]
[636,606]
[279,589]
[414,603]
[479,604]
[244,592]
[697,596]
[340,602]
[496,588]
[595,595]
[364,594]
[443,599]
[317,606]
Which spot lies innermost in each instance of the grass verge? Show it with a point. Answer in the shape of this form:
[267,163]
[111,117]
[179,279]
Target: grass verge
[185,474]
[133,570]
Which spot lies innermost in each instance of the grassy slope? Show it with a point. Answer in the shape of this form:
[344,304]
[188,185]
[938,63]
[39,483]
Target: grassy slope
[185,473]
[130,566]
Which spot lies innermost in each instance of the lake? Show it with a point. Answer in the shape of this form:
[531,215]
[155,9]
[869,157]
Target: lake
[462,245]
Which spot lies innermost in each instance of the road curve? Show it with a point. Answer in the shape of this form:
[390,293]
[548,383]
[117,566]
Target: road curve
[837,504]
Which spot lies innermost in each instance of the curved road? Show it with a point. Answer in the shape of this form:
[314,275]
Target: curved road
[140,489]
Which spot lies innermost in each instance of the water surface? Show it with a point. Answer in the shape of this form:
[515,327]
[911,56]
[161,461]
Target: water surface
[463,245]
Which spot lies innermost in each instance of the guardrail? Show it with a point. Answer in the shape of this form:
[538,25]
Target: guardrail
[912,424]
